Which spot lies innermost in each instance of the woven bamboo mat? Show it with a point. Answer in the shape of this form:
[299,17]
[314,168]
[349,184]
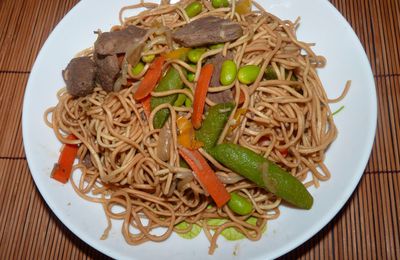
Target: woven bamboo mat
[367,227]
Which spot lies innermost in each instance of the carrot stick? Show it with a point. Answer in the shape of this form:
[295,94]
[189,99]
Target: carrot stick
[62,170]
[147,105]
[200,94]
[150,79]
[206,176]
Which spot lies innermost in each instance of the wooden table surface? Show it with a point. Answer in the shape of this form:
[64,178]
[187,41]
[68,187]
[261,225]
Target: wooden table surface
[366,228]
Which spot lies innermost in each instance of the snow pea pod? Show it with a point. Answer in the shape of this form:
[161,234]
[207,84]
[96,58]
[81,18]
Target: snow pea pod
[170,81]
[264,173]
[214,124]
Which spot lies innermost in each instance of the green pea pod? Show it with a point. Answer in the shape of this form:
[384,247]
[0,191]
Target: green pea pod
[170,81]
[213,124]
[264,173]
[180,100]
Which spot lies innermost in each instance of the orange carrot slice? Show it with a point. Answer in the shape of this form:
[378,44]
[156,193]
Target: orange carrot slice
[200,94]
[150,79]
[62,170]
[206,176]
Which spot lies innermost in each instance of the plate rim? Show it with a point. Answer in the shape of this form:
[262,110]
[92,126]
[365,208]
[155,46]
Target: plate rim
[329,216]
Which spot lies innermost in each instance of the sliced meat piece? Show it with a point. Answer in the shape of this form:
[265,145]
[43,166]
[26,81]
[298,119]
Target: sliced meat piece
[118,41]
[207,30]
[226,95]
[79,76]
[107,71]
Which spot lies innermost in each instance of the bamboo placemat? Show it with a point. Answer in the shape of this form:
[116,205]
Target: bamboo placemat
[366,228]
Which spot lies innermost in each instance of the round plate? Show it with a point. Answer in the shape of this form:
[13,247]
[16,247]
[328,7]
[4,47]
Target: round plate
[321,23]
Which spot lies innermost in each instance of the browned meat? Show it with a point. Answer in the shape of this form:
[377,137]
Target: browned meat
[79,76]
[107,71]
[118,41]
[207,30]
[223,96]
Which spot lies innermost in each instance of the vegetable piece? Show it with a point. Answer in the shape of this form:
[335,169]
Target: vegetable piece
[200,94]
[138,68]
[240,204]
[180,100]
[270,74]
[62,169]
[217,46]
[193,9]
[214,124]
[177,54]
[217,3]
[195,54]
[148,58]
[225,3]
[186,135]
[192,233]
[206,176]
[170,81]
[241,97]
[188,102]
[150,79]
[248,74]
[228,72]
[190,76]
[243,7]
[146,106]
[239,112]
[337,111]
[264,173]
[231,233]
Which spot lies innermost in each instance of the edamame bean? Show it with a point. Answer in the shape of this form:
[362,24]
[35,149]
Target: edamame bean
[193,9]
[148,58]
[195,54]
[248,74]
[138,68]
[190,76]
[239,204]
[225,3]
[217,3]
[228,72]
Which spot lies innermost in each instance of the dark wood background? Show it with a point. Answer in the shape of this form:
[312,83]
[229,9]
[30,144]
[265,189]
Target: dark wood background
[366,228]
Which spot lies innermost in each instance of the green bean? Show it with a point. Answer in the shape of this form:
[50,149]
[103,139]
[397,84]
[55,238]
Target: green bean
[240,204]
[264,173]
[148,58]
[170,81]
[180,100]
[214,124]
[195,54]
[193,9]
[248,74]
[228,72]
[138,68]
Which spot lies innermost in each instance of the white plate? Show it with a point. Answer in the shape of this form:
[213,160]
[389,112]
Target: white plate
[320,23]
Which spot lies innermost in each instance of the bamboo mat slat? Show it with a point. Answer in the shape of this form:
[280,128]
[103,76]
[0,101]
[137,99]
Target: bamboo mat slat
[24,26]
[12,87]
[366,228]
[386,150]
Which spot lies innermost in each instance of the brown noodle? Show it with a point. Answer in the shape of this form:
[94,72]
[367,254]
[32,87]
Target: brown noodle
[282,115]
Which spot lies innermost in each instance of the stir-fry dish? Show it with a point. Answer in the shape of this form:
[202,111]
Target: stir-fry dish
[199,115]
